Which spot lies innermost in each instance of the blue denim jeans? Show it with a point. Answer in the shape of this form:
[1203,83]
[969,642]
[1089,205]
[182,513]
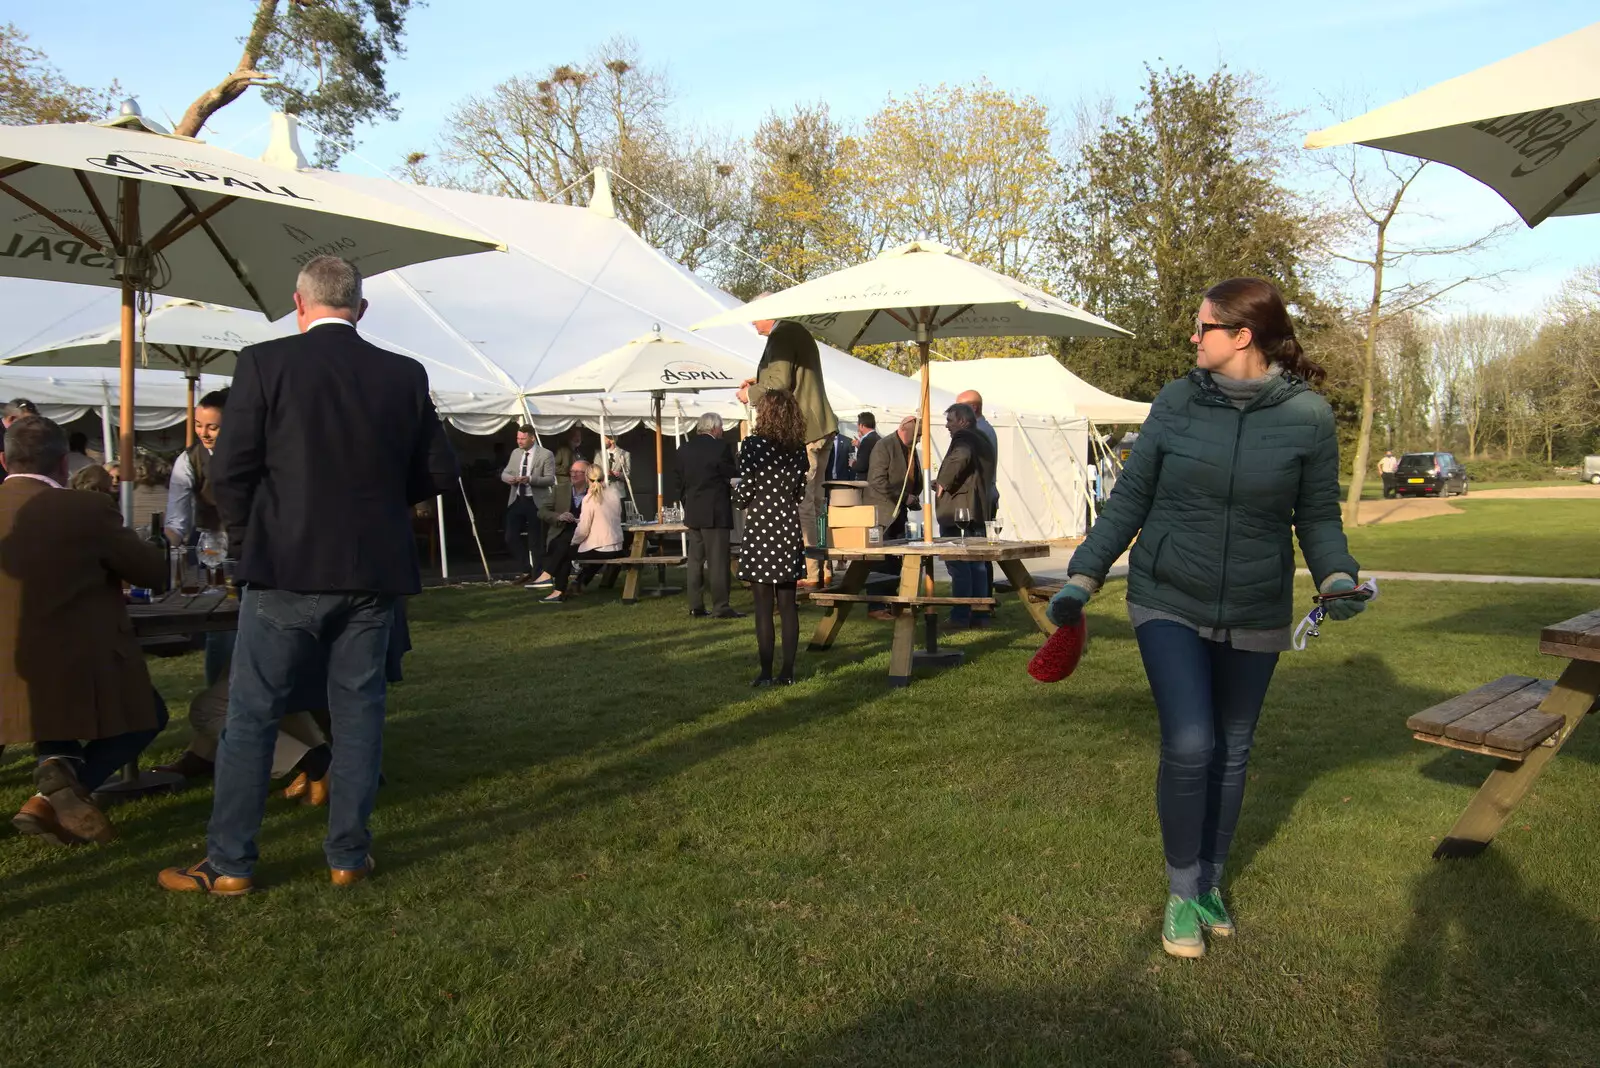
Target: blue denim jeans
[968,578]
[283,635]
[1208,696]
[99,758]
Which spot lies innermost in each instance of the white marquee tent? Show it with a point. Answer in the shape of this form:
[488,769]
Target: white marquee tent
[574,283]
[1035,383]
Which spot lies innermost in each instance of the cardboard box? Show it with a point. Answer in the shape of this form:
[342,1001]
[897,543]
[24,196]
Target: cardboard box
[848,537]
[855,515]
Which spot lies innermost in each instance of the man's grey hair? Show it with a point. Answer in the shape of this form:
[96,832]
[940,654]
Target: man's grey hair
[708,423]
[963,413]
[330,282]
[35,446]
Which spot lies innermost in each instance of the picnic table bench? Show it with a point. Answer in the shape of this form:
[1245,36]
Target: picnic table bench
[914,596]
[1520,721]
[639,558]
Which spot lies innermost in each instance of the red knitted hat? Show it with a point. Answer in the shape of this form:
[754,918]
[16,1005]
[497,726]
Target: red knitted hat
[1060,653]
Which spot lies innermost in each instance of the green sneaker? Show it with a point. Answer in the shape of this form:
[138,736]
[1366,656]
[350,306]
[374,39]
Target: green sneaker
[1180,930]
[1213,913]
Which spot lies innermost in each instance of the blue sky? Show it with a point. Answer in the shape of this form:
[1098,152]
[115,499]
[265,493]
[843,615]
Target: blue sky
[731,63]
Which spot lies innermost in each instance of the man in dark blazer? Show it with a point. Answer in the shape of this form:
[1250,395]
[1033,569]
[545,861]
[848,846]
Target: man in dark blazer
[705,464]
[72,676]
[866,441]
[329,443]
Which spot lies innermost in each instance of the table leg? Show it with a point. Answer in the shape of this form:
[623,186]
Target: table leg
[929,655]
[905,623]
[1572,698]
[855,579]
[630,585]
[1017,574]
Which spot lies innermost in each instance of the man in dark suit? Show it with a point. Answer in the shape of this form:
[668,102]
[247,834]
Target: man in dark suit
[866,441]
[705,464]
[72,676]
[329,443]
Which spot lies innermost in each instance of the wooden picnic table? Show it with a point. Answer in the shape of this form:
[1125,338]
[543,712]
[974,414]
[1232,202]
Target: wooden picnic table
[1522,722]
[639,558]
[914,595]
[184,615]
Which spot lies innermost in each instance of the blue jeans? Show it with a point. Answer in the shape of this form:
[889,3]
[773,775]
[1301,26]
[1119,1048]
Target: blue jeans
[284,635]
[1208,696]
[101,757]
[968,578]
[219,649]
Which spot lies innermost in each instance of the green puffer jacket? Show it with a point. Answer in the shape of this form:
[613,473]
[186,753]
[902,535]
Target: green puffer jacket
[1212,492]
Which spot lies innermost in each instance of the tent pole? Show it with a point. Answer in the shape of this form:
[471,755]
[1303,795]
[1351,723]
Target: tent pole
[927,437]
[444,555]
[472,520]
[605,453]
[108,445]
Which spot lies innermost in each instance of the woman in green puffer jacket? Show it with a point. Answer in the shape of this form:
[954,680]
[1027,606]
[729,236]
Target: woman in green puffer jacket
[1233,457]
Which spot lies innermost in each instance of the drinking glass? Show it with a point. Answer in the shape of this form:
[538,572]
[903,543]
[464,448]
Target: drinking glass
[213,549]
[995,528]
[963,517]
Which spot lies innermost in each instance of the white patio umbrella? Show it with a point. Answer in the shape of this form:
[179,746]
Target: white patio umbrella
[127,205]
[656,365]
[180,335]
[1528,127]
[918,292]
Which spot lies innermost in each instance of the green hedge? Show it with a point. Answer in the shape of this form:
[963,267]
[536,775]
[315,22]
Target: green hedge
[1510,471]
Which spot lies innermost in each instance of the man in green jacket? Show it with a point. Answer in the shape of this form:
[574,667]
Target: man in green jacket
[791,361]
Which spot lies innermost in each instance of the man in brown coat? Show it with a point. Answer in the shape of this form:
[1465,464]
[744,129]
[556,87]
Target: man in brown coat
[72,676]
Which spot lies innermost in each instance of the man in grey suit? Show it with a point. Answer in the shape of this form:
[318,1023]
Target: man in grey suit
[705,464]
[530,472]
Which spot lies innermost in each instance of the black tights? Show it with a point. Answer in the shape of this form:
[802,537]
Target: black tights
[784,592]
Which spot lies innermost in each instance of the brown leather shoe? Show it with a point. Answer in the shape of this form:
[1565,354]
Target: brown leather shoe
[190,765]
[351,876]
[57,780]
[202,878]
[317,792]
[298,787]
[36,817]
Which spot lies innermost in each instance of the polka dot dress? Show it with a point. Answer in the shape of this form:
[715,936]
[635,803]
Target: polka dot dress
[771,483]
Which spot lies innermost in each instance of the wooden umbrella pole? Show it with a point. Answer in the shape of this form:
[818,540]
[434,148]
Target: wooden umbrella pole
[189,434]
[129,222]
[661,497]
[927,439]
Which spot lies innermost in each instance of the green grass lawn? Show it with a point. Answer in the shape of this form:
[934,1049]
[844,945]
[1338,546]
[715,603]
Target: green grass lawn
[598,846]
[1515,537]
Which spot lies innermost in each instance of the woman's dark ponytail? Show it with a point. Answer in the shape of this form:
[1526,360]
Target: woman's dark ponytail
[1257,304]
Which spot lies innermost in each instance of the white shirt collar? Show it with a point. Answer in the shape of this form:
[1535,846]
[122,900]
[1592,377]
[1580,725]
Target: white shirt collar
[46,479]
[313,324]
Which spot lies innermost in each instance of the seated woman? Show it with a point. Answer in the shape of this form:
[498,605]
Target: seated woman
[598,536]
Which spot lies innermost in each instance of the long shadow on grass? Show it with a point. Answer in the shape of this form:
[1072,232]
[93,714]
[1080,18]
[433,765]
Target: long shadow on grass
[1121,1022]
[1490,971]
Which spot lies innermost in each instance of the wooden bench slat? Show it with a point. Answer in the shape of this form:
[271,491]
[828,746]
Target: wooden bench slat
[641,561]
[822,597]
[1468,747]
[1524,732]
[1580,631]
[1434,720]
[1043,591]
[1475,727]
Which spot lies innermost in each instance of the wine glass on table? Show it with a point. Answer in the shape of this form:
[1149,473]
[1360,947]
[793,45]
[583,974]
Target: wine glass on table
[963,517]
[212,548]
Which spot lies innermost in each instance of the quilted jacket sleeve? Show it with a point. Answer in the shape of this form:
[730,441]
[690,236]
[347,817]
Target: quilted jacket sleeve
[1317,519]
[1125,510]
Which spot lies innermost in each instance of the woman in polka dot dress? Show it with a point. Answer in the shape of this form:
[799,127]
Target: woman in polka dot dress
[772,479]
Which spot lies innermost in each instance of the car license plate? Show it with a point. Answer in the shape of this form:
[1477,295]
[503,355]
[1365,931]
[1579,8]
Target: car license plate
[1415,481]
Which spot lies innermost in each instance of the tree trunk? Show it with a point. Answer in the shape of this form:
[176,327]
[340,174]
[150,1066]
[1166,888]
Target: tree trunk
[237,83]
[1358,470]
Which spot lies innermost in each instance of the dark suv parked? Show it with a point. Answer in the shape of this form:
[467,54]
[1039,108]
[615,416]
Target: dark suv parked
[1429,474]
